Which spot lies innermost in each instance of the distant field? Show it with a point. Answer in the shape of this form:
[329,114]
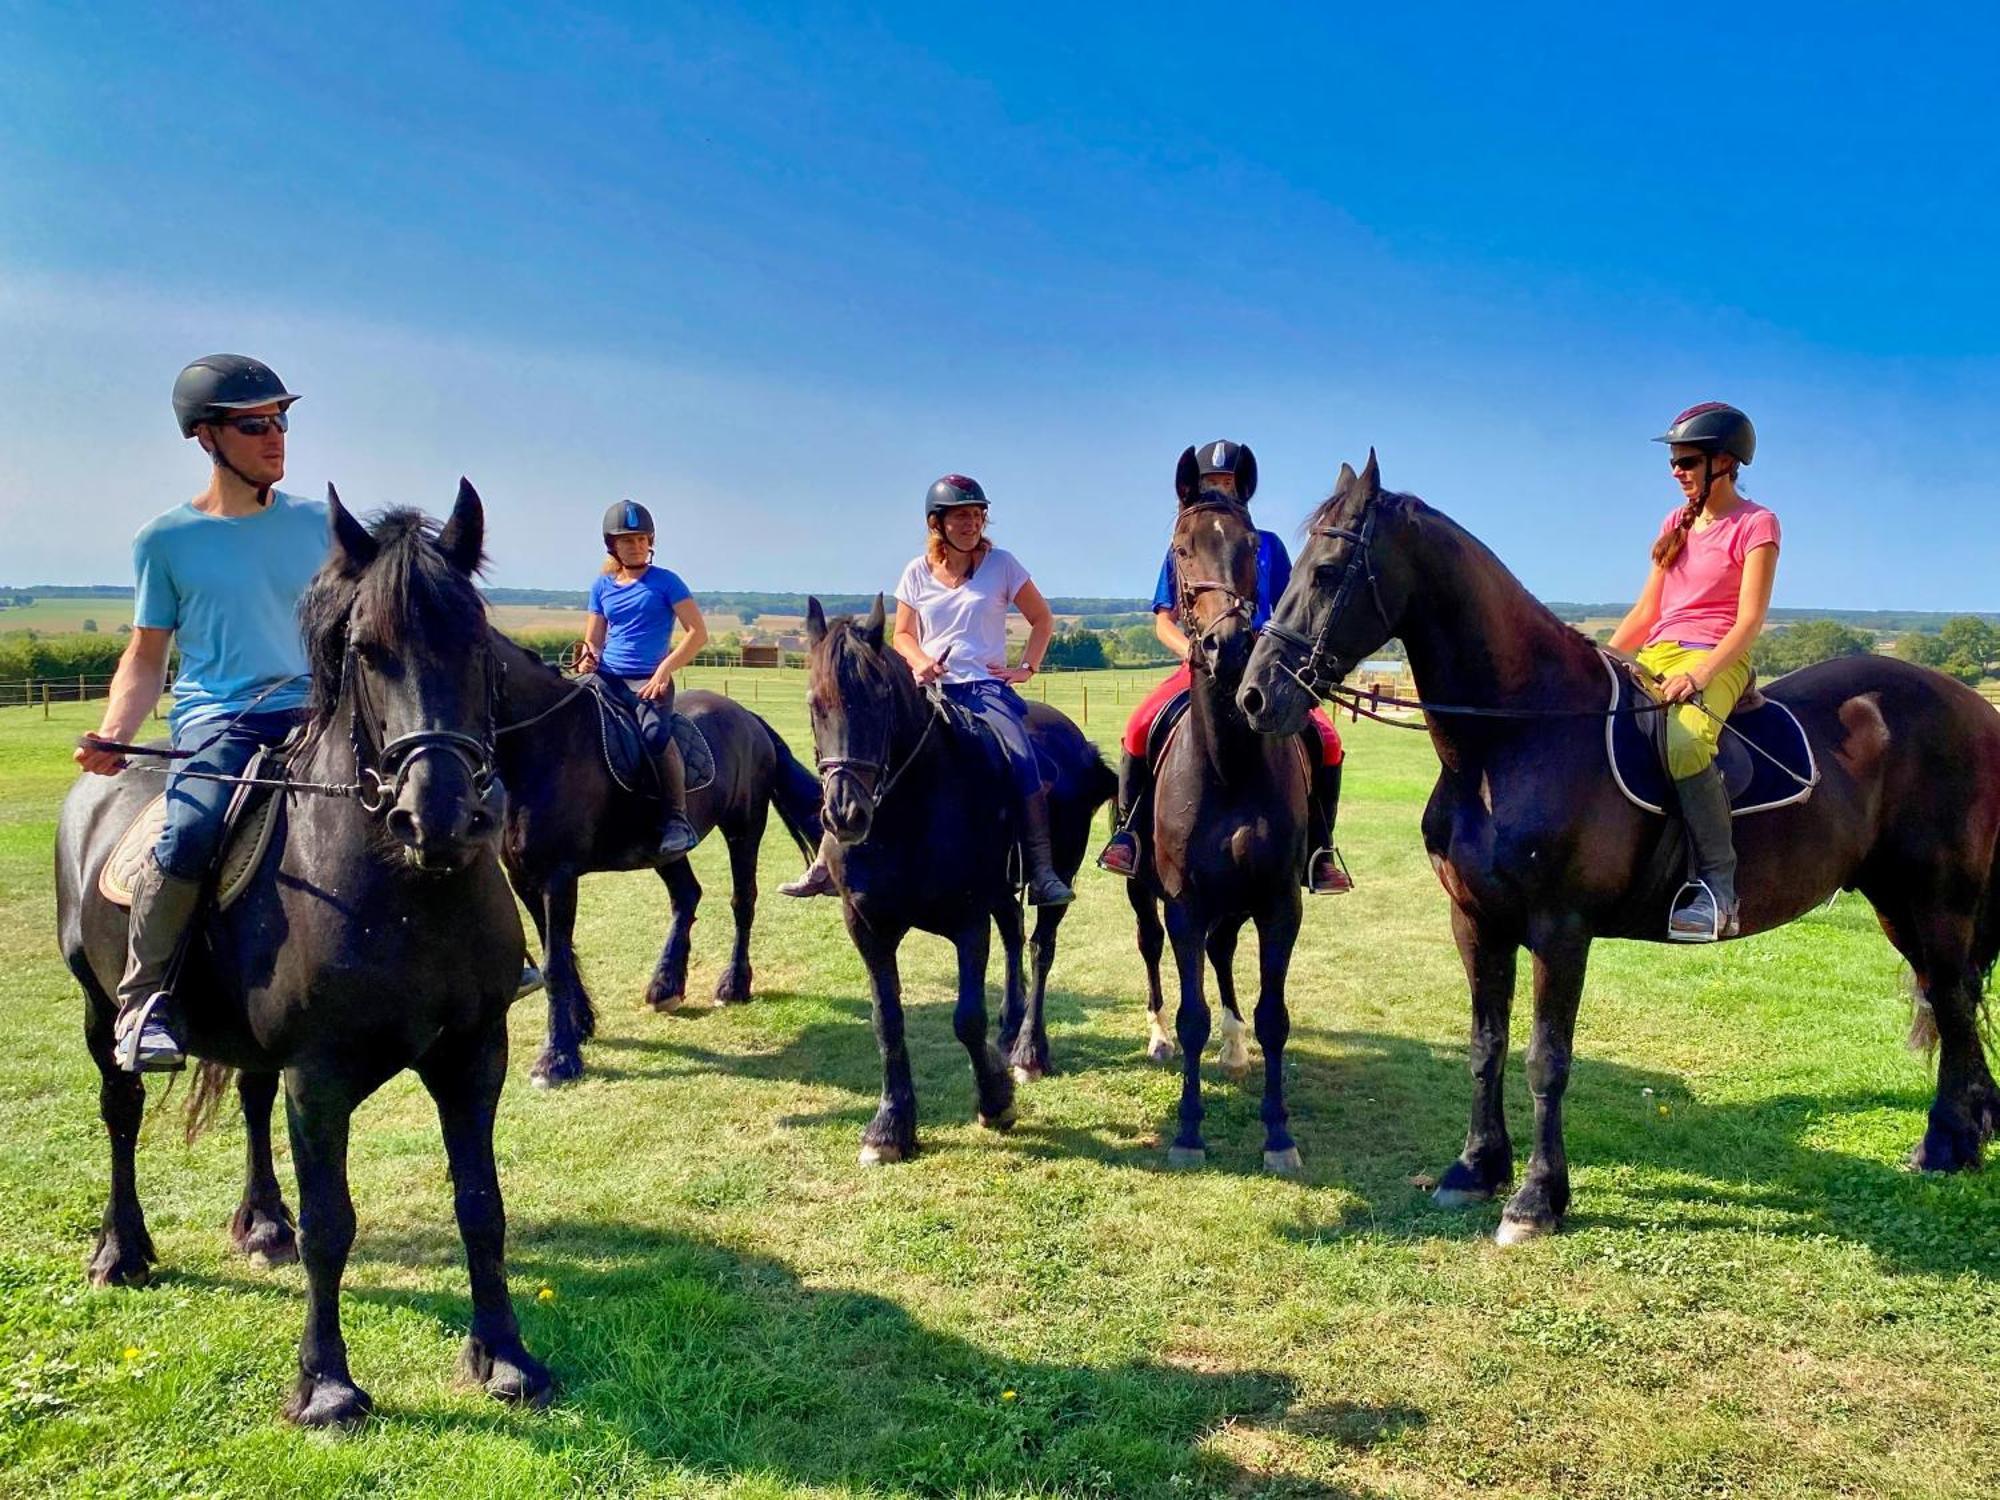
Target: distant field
[64,616]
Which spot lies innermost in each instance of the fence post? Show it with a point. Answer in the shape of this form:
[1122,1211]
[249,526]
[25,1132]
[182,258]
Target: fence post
[79,687]
[45,700]
[1086,703]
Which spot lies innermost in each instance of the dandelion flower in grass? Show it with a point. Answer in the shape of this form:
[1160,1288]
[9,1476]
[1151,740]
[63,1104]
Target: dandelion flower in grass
[1664,1111]
[1007,1395]
[546,1294]
[132,1351]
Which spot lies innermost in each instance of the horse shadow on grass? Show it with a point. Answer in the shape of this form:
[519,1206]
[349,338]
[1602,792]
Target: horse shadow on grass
[1374,1113]
[706,1358]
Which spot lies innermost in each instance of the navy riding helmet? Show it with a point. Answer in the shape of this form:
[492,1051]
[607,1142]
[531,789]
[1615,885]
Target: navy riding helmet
[1218,457]
[626,518]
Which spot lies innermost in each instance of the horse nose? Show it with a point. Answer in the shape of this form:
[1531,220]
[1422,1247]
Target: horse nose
[1251,700]
[403,827]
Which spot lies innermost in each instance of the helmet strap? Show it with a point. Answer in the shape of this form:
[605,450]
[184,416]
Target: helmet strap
[221,461]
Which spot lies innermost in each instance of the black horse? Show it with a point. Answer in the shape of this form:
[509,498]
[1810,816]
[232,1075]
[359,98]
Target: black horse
[1538,848]
[382,937]
[569,815]
[920,808]
[1228,834]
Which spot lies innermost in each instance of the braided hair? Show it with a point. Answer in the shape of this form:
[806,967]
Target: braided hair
[1667,549]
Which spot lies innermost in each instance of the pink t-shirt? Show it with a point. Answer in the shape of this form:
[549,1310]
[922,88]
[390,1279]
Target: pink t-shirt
[1698,598]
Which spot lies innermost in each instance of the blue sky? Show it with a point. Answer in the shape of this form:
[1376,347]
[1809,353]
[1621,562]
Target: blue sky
[771,272]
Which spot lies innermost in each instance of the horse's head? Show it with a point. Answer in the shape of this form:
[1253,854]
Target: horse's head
[1215,573]
[396,634]
[858,693]
[1347,594]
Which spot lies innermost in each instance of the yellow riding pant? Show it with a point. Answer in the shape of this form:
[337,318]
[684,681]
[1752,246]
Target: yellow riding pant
[1691,734]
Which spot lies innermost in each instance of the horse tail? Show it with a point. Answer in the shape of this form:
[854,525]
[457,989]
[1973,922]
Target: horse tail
[205,1097]
[795,792]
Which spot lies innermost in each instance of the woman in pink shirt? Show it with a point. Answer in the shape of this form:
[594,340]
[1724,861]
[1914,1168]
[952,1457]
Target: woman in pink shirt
[1704,602]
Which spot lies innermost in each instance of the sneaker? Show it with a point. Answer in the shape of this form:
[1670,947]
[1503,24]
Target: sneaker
[817,881]
[146,1042]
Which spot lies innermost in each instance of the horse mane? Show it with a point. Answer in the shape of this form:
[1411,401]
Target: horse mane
[409,594]
[848,663]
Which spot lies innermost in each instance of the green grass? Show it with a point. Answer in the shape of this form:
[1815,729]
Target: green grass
[1752,1298]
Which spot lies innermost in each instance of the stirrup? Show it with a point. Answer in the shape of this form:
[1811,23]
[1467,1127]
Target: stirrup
[531,980]
[678,839]
[1343,881]
[144,1043]
[1124,838]
[1684,924]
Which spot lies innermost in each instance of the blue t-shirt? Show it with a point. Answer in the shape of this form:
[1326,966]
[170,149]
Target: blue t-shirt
[1274,571]
[229,587]
[638,617]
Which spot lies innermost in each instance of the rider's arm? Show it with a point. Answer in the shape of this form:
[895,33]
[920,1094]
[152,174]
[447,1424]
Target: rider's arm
[1041,623]
[906,643]
[594,628]
[1170,633]
[694,635]
[1753,602]
[1639,620]
[135,691]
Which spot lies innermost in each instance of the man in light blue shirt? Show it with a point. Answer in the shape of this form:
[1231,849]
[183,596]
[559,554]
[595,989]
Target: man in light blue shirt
[223,573]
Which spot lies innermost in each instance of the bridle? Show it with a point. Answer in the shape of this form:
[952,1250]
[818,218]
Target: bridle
[1189,591]
[1321,671]
[382,765]
[885,781]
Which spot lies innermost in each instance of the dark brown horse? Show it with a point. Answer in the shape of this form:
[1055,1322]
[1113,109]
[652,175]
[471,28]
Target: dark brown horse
[569,815]
[920,808]
[1228,834]
[1538,848]
[381,937]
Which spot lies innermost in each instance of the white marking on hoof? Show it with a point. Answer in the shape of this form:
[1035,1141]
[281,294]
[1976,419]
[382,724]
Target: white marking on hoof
[1160,1050]
[1234,1058]
[666,1005]
[1285,1163]
[1518,1231]
[1186,1156]
[880,1156]
[1025,1075]
[541,1081]
[1460,1197]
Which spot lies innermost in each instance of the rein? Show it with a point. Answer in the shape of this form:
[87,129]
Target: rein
[832,764]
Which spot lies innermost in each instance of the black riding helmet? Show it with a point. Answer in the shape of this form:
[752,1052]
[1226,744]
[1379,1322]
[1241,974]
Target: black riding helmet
[1714,427]
[626,518]
[1219,457]
[951,491]
[218,385]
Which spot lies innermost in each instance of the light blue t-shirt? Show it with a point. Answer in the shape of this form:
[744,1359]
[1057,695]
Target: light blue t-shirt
[229,587]
[638,617]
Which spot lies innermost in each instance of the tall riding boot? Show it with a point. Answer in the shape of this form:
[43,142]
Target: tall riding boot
[677,834]
[1045,887]
[163,908]
[1135,779]
[1705,909]
[1326,872]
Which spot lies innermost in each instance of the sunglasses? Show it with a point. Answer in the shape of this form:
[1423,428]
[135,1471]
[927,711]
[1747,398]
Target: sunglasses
[1687,463]
[257,426]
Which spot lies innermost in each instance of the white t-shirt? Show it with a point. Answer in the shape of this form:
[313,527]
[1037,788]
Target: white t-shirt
[969,621]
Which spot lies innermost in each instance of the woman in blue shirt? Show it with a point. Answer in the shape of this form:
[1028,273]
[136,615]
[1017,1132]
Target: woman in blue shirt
[633,608]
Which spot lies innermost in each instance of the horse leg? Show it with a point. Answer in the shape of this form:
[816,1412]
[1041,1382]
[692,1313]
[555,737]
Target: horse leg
[1966,1110]
[1191,1027]
[892,1135]
[992,1083]
[262,1226]
[1013,1001]
[1487,1163]
[1277,931]
[318,1111]
[1042,958]
[463,1073]
[1562,952]
[1152,939]
[669,984]
[733,988]
[124,1253]
[571,1018]
[1234,1060]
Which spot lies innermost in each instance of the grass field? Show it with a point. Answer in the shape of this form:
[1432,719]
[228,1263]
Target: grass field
[1753,1298]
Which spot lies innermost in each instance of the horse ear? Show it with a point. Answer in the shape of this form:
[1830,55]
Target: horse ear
[349,546]
[1187,473]
[1345,482]
[872,630]
[1246,474]
[815,621]
[1371,477]
[463,540]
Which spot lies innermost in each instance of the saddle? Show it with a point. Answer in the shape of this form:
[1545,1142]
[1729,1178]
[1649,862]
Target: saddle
[633,740]
[1635,744]
[1165,723]
[248,827]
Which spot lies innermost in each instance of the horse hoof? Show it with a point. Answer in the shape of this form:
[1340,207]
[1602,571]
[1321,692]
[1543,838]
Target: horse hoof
[1186,1156]
[1002,1122]
[553,1070]
[267,1239]
[517,1377]
[1028,1072]
[1520,1231]
[880,1156]
[1285,1163]
[1446,1197]
[1235,1071]
[1946,1151]
[113,1264]
[1160,1050]
[663,1003]
[732,988]
[327,1403]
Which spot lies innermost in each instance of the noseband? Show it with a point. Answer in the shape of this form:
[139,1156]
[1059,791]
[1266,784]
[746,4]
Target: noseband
[1321,669]
[1190,590]
[382,773]
[885,780]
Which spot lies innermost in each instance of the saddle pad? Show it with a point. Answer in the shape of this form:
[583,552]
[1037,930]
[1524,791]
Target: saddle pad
[243,851]
[1635,745]
[630,752]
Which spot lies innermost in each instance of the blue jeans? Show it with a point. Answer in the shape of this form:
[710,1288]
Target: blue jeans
[195,809]
[1001,709]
